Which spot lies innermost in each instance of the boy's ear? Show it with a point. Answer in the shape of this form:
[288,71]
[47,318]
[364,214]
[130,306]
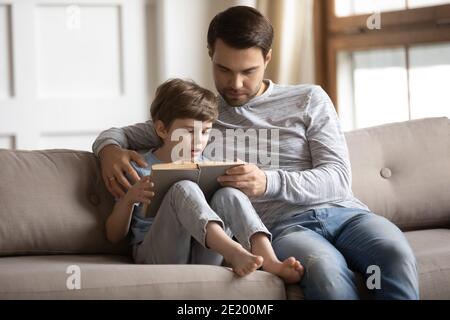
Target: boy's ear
[160,129]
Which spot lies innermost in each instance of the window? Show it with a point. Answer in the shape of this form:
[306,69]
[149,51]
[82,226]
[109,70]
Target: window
[394,84]
[397,71]
[353,7]
[345,8]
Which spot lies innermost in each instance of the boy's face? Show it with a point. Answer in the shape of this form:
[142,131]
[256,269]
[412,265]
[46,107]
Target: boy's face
[187,138]
[238,73]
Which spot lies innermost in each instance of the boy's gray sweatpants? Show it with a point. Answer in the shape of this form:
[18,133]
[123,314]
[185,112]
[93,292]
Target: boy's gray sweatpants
[178,233]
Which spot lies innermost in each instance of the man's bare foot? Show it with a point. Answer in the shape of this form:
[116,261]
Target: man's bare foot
[290,270]
[243,262]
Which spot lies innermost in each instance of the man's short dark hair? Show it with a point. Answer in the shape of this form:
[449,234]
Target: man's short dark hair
[241,27]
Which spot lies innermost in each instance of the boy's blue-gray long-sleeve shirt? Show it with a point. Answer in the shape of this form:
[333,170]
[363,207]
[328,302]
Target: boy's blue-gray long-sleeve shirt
[307,167]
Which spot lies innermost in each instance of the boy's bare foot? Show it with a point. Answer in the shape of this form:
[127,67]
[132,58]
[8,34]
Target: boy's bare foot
[243,262]
[290,270]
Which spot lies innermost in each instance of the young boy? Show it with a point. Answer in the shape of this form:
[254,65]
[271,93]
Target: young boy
[186,228]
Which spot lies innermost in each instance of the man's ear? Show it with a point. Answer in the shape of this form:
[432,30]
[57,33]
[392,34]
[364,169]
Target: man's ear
[210,52]
[160,129]
[268,58]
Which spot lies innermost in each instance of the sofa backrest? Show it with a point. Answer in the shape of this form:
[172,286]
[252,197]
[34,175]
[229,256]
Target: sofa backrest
[53,202]
[402,171]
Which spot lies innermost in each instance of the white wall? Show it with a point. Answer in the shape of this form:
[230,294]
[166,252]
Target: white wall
[67,73]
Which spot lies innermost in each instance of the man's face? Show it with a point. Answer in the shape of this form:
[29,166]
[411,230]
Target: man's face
[238,73]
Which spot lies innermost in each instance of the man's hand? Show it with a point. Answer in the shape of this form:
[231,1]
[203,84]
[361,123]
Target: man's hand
[247,177]
[115,163]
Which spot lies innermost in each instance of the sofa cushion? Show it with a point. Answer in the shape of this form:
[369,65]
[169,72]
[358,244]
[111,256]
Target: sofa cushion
[402,171]
[53,202]
[116,277]
[432,251]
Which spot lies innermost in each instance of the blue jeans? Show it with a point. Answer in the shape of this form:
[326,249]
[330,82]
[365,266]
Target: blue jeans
[332,242]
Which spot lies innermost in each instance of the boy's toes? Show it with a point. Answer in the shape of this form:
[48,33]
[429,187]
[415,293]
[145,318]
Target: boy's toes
[240,273]
[290,262]
[247,271]
[300,270]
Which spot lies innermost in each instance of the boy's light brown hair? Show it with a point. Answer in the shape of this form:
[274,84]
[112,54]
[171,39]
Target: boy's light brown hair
[183,99]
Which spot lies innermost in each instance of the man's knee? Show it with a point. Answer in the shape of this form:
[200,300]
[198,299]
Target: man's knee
[328,278]
[389,250]
[395,254]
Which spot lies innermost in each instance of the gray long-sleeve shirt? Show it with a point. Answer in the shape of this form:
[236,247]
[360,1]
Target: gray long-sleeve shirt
[307,167]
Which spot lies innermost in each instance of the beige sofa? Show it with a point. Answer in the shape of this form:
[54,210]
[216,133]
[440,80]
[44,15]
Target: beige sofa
[53,206]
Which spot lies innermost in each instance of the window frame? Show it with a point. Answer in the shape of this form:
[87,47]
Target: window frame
[405,28]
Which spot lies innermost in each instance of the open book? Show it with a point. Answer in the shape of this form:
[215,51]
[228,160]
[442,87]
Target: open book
[205,174]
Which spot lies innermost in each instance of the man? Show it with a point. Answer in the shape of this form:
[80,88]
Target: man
[306,202]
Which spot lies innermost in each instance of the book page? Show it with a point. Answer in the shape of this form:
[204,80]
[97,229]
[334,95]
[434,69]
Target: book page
[174,165]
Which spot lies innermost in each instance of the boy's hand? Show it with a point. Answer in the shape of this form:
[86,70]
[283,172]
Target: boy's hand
[114,162]
[247,177]
[141,191]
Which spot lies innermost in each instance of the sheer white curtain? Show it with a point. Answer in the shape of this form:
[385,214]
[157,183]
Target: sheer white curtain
[293,48]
